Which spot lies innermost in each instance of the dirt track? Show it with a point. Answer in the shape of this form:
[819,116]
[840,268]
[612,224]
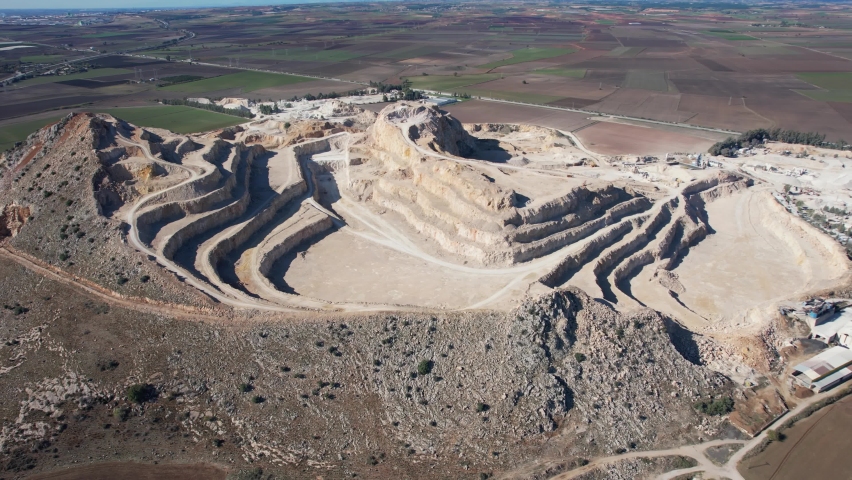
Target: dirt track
[697,452]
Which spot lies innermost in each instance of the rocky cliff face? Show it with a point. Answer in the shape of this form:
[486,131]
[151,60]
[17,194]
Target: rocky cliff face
[429,127]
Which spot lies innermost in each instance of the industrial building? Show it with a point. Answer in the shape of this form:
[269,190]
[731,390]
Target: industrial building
[824,371]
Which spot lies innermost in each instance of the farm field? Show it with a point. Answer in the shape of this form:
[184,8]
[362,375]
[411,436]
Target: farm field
[822,435]
[16,132]
[529,55]
[247,81]
[549,56]
[610,138]
[100,72]
[449,83]
[178,119]
[730,35]
[563,72]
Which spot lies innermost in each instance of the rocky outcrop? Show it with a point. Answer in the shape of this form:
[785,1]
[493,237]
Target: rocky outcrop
[12,219]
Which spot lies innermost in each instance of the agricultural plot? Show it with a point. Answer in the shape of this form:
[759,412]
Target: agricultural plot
[41,58]
[16,132]
[751,50]
[528,55]
[178,119]
[828,96]
[448,83]
[99,72]
[646,80]
[524,97]
[836,87]
[247,81]
[829,80]
[625,51]
[730,35]
[563,72]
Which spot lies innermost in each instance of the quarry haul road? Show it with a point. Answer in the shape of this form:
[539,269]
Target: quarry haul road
[301,303]
[697,451]
[382,234]
[138,304]
[367,225]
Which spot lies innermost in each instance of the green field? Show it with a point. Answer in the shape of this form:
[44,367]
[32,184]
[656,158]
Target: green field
[605,22]
[829,80]
[447,83]
[529,55]
[837,86]
[178,119]
[98,72]
[729,35]
[563,72]
[248,81]
[17,132]
[844,96]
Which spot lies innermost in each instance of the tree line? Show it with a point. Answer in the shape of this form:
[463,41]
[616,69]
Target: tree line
[751,138]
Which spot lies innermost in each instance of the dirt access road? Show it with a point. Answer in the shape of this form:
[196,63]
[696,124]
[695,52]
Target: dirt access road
[698,452]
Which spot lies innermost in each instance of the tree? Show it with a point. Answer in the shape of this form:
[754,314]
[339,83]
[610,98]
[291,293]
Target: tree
[787,188]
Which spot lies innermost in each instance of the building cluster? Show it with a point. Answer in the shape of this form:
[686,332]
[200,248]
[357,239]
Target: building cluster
[831,323]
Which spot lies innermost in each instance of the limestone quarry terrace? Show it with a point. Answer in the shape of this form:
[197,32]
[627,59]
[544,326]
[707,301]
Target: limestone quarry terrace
[410,209]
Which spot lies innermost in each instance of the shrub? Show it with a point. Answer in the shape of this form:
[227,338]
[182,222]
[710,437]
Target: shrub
[580,357]
[122,280]
[109,365]
[121,413]
[425,367]
[775,436]
[141,392]
[245,388]
[257,399]
[482,407]
[717,407]
[144,278]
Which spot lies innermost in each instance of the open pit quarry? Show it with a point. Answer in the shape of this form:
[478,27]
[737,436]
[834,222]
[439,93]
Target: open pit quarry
[409,209]
[503,238]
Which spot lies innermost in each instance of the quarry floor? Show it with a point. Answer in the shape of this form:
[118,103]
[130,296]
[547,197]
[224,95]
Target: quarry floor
[750,262]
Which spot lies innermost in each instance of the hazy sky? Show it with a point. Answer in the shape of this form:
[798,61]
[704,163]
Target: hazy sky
[7,5]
